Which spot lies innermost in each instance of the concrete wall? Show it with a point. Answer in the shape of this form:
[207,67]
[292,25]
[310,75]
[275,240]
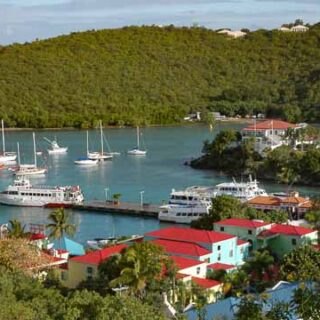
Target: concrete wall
[199,271]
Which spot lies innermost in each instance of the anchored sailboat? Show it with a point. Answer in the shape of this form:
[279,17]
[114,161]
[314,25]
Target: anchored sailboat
[102,155]
[137,151]
[6,156]
[86,161]
[30,169]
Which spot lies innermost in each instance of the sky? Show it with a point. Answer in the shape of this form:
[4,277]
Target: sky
[27,20]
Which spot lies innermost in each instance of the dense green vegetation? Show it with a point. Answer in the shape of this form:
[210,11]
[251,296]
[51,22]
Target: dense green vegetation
[228,153]
[153,75]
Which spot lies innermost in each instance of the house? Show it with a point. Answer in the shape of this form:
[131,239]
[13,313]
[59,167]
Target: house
[85,267]
[74,248]
[226,309]
[269,133]
[295,205]
[299,28]
[201,245]
[233,34]
[280,238]
[284,29]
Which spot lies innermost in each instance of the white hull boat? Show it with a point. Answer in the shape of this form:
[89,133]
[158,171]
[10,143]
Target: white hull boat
[6,157]
[86,162]
[22,193]
[55,148]
[137,151]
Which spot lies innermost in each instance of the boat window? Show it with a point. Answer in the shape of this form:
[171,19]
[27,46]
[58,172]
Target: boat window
[189,214]
[195,214]
[178,214]
[184,214]
[190,198]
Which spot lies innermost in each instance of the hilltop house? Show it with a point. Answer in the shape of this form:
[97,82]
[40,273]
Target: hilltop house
[280,238]
[298,28]
[268,133]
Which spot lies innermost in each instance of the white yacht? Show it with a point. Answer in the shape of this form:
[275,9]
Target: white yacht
[55,148]
[184,213]
[243,191]
[22,193]
[5,156]
[100,155]
[136,151]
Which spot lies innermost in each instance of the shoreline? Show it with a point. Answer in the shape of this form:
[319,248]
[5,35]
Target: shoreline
[193,123]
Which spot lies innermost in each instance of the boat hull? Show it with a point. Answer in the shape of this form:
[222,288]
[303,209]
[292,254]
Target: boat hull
[88,162]
[7,158]
[58,151]
[136,152]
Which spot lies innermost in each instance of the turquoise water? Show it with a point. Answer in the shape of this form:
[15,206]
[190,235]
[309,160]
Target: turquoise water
[156,174]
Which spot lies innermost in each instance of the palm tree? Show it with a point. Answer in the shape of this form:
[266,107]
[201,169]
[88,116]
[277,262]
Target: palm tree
[59,225]
[17,230]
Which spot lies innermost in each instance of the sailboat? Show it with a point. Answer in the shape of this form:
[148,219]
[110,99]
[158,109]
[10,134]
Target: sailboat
[137,151]
[85,161]
[102,155]
[30,169]
[6,156]
[55,148]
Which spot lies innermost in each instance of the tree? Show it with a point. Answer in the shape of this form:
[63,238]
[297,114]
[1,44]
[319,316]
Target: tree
[60,226]
[16,230]
[116,198]
[313,217]
[236,283]
[301,264]
[250,308]
[140,263]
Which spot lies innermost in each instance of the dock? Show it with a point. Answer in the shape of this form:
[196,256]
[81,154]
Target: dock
[125,208]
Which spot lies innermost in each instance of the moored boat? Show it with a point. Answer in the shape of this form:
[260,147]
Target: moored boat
[55,148]
[6,157]
[136,151]
[23,193]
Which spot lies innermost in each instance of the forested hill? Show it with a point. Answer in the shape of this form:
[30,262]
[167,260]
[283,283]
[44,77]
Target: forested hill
[153,75]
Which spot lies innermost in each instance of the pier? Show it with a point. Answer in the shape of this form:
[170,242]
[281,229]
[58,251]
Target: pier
[125,208]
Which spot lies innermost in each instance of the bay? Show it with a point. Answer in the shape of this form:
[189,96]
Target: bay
[156,174]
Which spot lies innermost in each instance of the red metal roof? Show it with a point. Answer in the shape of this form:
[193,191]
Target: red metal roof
[206,283]
[241,242]
[96,257]
[189,235]
[243,223]
[180,247]
[37,236]
[184,263]
[290,230]
[221,266]
[269,124]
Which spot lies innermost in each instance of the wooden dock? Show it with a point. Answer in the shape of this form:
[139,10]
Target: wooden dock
[125,208]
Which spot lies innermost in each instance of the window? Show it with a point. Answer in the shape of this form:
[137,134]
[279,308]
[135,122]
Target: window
[64,276]
[198,270]
[241,250]
[219,256]
[89,273]
[231,253]
[221,228]
[249,231]
[219,248]
[294,242]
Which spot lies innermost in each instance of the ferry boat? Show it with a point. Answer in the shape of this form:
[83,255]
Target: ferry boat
[243,191]
[55,148]
[184,213]
[22,193]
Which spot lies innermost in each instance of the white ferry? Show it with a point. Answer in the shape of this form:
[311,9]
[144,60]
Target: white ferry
[243,191]
[184,213]
[22,193]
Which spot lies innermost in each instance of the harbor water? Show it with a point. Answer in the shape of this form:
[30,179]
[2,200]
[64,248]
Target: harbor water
[148,178]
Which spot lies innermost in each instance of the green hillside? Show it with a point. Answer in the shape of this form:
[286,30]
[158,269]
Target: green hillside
[152,75]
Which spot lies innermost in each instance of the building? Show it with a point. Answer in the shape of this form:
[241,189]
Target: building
[227,308]
[233,34]
[284,29]
[299,28]
[85,267]
[269,133]
[201,245]
[280,238]
[295,205]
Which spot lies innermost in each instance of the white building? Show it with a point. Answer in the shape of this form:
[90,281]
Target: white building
[233,34]
[299,28]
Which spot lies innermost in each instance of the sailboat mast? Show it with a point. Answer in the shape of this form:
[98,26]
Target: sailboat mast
[3,138]
[34,149]
[138,138]
[101,137]
[18,150]
[87,143]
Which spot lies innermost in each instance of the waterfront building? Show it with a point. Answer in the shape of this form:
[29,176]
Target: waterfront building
[280,238]
[295,205]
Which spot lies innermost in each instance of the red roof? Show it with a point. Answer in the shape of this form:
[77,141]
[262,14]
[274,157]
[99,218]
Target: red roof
[189,235]
[221,266]
[241,242]
[269,124]
[37,236]
[184,263]
[96,257]
[206,283]
[180,247]
[243,223]
[290,230]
